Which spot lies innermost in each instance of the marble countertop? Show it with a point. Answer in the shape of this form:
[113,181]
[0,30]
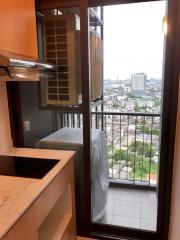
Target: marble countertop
[17,193]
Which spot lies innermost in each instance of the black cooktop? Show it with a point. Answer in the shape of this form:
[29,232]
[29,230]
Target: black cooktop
[25,166]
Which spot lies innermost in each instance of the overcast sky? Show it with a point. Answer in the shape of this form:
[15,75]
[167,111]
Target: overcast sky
[133,39]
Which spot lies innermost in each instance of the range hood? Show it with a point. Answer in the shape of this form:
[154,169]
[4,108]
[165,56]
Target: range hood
[16,69]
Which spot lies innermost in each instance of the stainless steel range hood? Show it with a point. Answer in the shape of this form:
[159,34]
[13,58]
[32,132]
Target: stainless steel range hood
[12,69]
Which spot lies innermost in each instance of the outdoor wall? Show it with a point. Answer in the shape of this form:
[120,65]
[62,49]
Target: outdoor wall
[41,121]
[174,233]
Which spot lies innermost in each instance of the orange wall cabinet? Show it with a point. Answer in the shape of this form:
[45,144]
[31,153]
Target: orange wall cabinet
[18,27]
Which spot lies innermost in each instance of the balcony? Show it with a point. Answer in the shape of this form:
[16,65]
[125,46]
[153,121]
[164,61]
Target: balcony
[133,144]
[131,208]
[133,153]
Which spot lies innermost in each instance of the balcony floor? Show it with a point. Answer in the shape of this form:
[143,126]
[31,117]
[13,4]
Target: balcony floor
[131,208]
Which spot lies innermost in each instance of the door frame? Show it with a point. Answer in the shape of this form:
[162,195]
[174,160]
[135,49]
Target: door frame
[171,84]
[168,130]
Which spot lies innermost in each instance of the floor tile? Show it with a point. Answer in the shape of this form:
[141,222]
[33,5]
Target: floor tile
[148,211]
[129,195]
[131,208]
[127,209]
[126,221]
[148,224]
[149,197]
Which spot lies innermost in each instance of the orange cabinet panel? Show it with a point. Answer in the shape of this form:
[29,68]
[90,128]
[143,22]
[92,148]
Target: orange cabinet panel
[18,27]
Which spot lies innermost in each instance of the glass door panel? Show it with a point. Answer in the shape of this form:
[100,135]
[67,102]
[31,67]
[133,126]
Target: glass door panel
[126,117]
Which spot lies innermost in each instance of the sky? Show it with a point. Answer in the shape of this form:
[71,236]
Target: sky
[133,40]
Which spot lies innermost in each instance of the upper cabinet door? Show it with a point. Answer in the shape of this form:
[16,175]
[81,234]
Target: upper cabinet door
[18,27]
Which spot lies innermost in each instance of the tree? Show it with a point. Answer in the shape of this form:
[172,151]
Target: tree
[120,155]
[141,148]
[137,108]
[138,157]
[147,130]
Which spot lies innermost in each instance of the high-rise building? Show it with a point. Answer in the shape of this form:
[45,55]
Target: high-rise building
[138,84]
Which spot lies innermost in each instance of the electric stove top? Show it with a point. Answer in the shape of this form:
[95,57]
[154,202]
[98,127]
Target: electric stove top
[25,166]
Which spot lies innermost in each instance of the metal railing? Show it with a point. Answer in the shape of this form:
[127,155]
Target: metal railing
[133,143]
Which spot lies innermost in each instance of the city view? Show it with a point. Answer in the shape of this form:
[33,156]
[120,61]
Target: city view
[134,128]
[137,94]
[133,58]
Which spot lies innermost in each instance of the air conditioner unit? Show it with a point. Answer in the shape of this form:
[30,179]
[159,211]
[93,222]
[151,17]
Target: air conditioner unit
[61,45]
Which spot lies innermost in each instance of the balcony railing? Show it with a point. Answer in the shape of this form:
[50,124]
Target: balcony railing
[133,143]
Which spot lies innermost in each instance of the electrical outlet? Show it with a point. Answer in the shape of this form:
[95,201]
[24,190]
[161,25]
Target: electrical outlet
[27,126]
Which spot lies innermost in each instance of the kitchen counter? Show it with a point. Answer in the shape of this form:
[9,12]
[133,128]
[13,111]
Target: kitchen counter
[17,194]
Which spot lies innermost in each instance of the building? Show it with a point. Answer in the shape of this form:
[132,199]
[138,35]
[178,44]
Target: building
[138,84]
